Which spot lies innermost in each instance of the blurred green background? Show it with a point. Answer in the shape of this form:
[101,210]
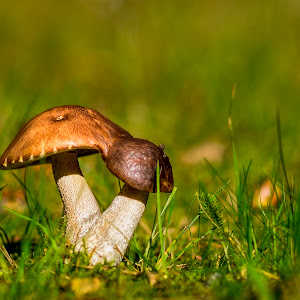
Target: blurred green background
[165,71]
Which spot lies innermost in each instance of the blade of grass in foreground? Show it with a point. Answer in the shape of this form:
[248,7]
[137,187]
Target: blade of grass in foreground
[163,211]
[44,229]
[161,238]
[167,209]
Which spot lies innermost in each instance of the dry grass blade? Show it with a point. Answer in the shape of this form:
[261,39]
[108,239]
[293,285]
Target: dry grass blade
[8,257]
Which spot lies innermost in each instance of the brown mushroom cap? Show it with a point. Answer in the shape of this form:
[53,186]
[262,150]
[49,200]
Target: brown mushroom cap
[85,131]
[135,160]
[61,129]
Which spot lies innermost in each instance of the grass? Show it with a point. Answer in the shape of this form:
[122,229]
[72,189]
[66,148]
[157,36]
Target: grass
[167,72]
[228,249]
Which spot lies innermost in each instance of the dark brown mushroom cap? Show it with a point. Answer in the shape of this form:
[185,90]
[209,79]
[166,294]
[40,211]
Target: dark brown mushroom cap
[61,129]
[135,160]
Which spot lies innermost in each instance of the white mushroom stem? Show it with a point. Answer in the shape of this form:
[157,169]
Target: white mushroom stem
[105,237]
[108,241]
[80,205]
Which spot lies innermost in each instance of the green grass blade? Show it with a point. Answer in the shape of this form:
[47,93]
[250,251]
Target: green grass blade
[159,217]
[43,228]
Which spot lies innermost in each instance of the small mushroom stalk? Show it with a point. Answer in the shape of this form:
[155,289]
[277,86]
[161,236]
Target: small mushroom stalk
[109,239]
[80,205]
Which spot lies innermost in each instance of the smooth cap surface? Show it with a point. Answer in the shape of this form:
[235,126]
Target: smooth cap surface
[61,129]
[135,160]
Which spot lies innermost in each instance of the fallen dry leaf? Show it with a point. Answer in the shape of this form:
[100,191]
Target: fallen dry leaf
[83,286]
[152,277]
[181,266]
[212,151]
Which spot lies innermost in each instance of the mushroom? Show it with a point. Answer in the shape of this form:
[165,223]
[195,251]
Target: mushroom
[62,134]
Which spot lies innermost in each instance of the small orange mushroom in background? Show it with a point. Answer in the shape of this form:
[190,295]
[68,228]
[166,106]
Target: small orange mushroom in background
[267,195]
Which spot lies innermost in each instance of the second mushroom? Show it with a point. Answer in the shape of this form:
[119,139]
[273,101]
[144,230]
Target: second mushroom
[62,134]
